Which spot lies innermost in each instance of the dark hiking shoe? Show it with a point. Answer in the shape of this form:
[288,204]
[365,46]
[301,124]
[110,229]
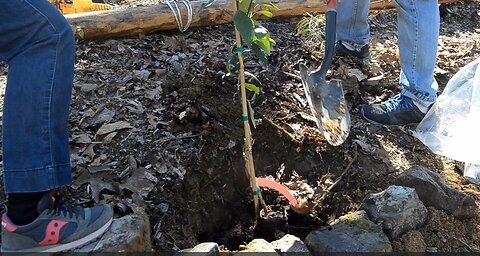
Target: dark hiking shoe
[398,110]
[60,227]
[342,50]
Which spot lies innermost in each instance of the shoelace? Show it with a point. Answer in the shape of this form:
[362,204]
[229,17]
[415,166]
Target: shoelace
[61,208]
[398,102]
[67,210]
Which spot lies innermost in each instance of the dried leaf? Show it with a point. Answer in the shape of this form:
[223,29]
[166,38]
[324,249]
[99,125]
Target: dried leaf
[86,87]
[133,163]
[364,146]
[141,74]
[108,128]
[153,94]
[89,152]
[139,183]
[180,171]
[82,138]
[105,115]
[109,137]
[357,73]
[137,109]
[99,168]
[96,184]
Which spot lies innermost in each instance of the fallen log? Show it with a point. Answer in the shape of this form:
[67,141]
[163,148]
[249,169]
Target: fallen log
[149,19]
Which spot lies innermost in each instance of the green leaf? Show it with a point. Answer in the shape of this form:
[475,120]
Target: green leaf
[260,32]
[264,44]
[248,74]
[260,54]
[244,24]
[233,64]
[252,88]
[265,13]
[271,5]
[245,5]
[257,23]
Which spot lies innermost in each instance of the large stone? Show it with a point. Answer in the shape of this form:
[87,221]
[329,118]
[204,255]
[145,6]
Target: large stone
[290,244]
[259,245]
[353,232]
[434,191]
[397,210]
[203,249]
[130,233]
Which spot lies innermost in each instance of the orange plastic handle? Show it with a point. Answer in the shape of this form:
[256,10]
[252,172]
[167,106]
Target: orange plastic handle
[262,182]
[332,4]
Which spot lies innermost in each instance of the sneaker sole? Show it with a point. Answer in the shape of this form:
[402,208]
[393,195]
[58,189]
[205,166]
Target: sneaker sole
[360,59]
[72,245]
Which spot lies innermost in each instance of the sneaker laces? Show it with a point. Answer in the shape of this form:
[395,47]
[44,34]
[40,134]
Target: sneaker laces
[53,202]
[398,102]
[67,210]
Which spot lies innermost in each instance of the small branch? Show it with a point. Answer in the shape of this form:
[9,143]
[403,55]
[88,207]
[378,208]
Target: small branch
[472,248]
[344,173]
[294,76]
[283,131]
[177,138]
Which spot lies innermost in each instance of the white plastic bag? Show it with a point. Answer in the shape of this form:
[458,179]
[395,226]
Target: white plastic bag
[452,126]
[471,173]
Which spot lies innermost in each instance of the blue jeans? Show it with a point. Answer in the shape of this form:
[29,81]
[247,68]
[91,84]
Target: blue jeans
[39,47]
[418,23]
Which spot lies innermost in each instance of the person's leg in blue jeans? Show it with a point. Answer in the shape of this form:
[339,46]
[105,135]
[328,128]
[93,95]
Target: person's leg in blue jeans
[40,54]
[418,30]
[39,47]
[353,31]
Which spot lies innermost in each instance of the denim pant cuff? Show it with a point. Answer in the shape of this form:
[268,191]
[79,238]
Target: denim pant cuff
[37,180]
[419,96]
[353,45]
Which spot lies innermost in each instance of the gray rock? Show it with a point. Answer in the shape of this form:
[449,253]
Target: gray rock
[259,245]
[353,232]
[290,244]
[130,233]
[397,210]
[203,249]
[434,191]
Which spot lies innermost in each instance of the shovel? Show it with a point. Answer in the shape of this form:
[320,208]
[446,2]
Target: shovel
[326,98]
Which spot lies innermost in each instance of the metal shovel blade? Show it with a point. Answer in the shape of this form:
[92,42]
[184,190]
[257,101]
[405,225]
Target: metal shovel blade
[327,104]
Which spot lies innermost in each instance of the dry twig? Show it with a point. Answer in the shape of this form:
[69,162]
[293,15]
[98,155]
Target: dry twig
[344,173]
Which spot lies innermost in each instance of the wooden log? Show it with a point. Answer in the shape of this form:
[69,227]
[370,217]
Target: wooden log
[149,19]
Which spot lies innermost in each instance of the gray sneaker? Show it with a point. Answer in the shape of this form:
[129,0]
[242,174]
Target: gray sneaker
[342,50]
[60,227]
[398,110]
